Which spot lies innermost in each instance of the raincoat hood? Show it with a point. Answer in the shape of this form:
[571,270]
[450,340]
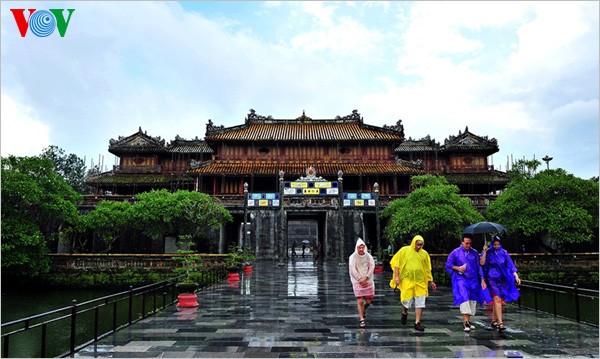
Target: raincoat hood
[360,242]
[495,239]
[414,242]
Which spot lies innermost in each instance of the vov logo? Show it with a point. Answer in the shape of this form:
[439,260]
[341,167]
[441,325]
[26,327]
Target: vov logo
[42,22]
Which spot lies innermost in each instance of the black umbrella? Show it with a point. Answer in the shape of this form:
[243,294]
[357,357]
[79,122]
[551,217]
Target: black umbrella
[484,227]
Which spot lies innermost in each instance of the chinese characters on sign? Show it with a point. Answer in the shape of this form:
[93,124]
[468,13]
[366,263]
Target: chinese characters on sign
[263,199]
[359,199]
[311,188]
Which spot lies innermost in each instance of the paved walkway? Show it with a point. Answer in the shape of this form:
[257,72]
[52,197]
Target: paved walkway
[308,310]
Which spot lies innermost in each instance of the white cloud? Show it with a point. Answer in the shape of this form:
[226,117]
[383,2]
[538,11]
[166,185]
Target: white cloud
[439,66]
[347,38]
[321,12]
[23,133]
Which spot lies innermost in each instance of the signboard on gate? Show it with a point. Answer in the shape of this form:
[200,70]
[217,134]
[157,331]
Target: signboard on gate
[311,188]
[311,185]
[359,199]
[263,200]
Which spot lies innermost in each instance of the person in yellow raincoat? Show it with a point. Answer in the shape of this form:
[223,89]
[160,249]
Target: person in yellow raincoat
[412,275]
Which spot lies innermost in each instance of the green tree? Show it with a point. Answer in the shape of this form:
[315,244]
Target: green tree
[70,167]
[524,169]
[433,209]
[159,213]
[553,207]
[110,221]
[37,204]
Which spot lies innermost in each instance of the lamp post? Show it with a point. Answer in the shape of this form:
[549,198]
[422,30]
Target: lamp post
[244,227]
[378,225]
[280,241]
[341,218]
[547,160]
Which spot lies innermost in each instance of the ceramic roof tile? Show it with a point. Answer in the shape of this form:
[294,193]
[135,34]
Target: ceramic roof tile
[299,168]
[312,131]
[141,178]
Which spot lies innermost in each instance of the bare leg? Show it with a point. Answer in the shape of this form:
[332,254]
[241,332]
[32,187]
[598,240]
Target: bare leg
[418,312]
[466,317]
[361,308]
[497,309]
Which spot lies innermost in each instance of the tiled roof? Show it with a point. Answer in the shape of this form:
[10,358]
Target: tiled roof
[468,142]
[139,142]
[494,177]
[311,131]
[299,168]
[425,144]
[142,179]
[189,147]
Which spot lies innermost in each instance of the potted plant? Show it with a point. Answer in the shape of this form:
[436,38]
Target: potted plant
[379,257]
[248,258]
[189,275]
[235,262]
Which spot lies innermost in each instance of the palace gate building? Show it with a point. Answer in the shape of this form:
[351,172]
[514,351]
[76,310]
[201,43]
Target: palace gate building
[318,181]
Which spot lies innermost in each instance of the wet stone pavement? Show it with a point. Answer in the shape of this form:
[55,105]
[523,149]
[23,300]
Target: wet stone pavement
[307,309]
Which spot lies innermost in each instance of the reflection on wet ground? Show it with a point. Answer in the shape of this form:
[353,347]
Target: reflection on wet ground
[307,309]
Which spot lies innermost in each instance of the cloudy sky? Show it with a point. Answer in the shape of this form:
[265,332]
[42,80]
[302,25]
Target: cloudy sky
[525,73]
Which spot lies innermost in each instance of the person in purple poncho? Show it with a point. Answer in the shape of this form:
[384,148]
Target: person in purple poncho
[500,274]
[468,285]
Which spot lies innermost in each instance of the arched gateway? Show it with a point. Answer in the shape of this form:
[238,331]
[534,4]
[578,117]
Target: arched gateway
[329,215]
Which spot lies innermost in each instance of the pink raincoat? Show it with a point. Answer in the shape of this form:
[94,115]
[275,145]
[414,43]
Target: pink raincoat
[361,267]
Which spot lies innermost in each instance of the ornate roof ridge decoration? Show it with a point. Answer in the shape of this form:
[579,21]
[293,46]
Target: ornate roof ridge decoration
[311,175]
[416,164]
[254,118]
[424,144]
[303,118]
[304,128]
[181,139]
[353,117]
[398,127]
[139,141]
[471,142]
[212,128]
[199,164]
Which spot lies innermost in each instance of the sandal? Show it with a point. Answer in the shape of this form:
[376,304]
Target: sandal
[362,324]
[494,324]
[501,326]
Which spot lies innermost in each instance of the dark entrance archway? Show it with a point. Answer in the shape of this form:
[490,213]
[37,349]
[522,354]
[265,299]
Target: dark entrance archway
[308,229]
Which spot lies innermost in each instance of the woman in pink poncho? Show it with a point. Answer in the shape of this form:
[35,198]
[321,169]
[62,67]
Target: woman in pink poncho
[360,267]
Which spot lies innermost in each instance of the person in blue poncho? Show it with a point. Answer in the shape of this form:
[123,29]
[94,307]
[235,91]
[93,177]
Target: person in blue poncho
[500,274]
[468,285]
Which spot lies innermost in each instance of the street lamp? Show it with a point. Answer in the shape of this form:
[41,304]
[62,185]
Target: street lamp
[244,227]
[547,160]
[378,227]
